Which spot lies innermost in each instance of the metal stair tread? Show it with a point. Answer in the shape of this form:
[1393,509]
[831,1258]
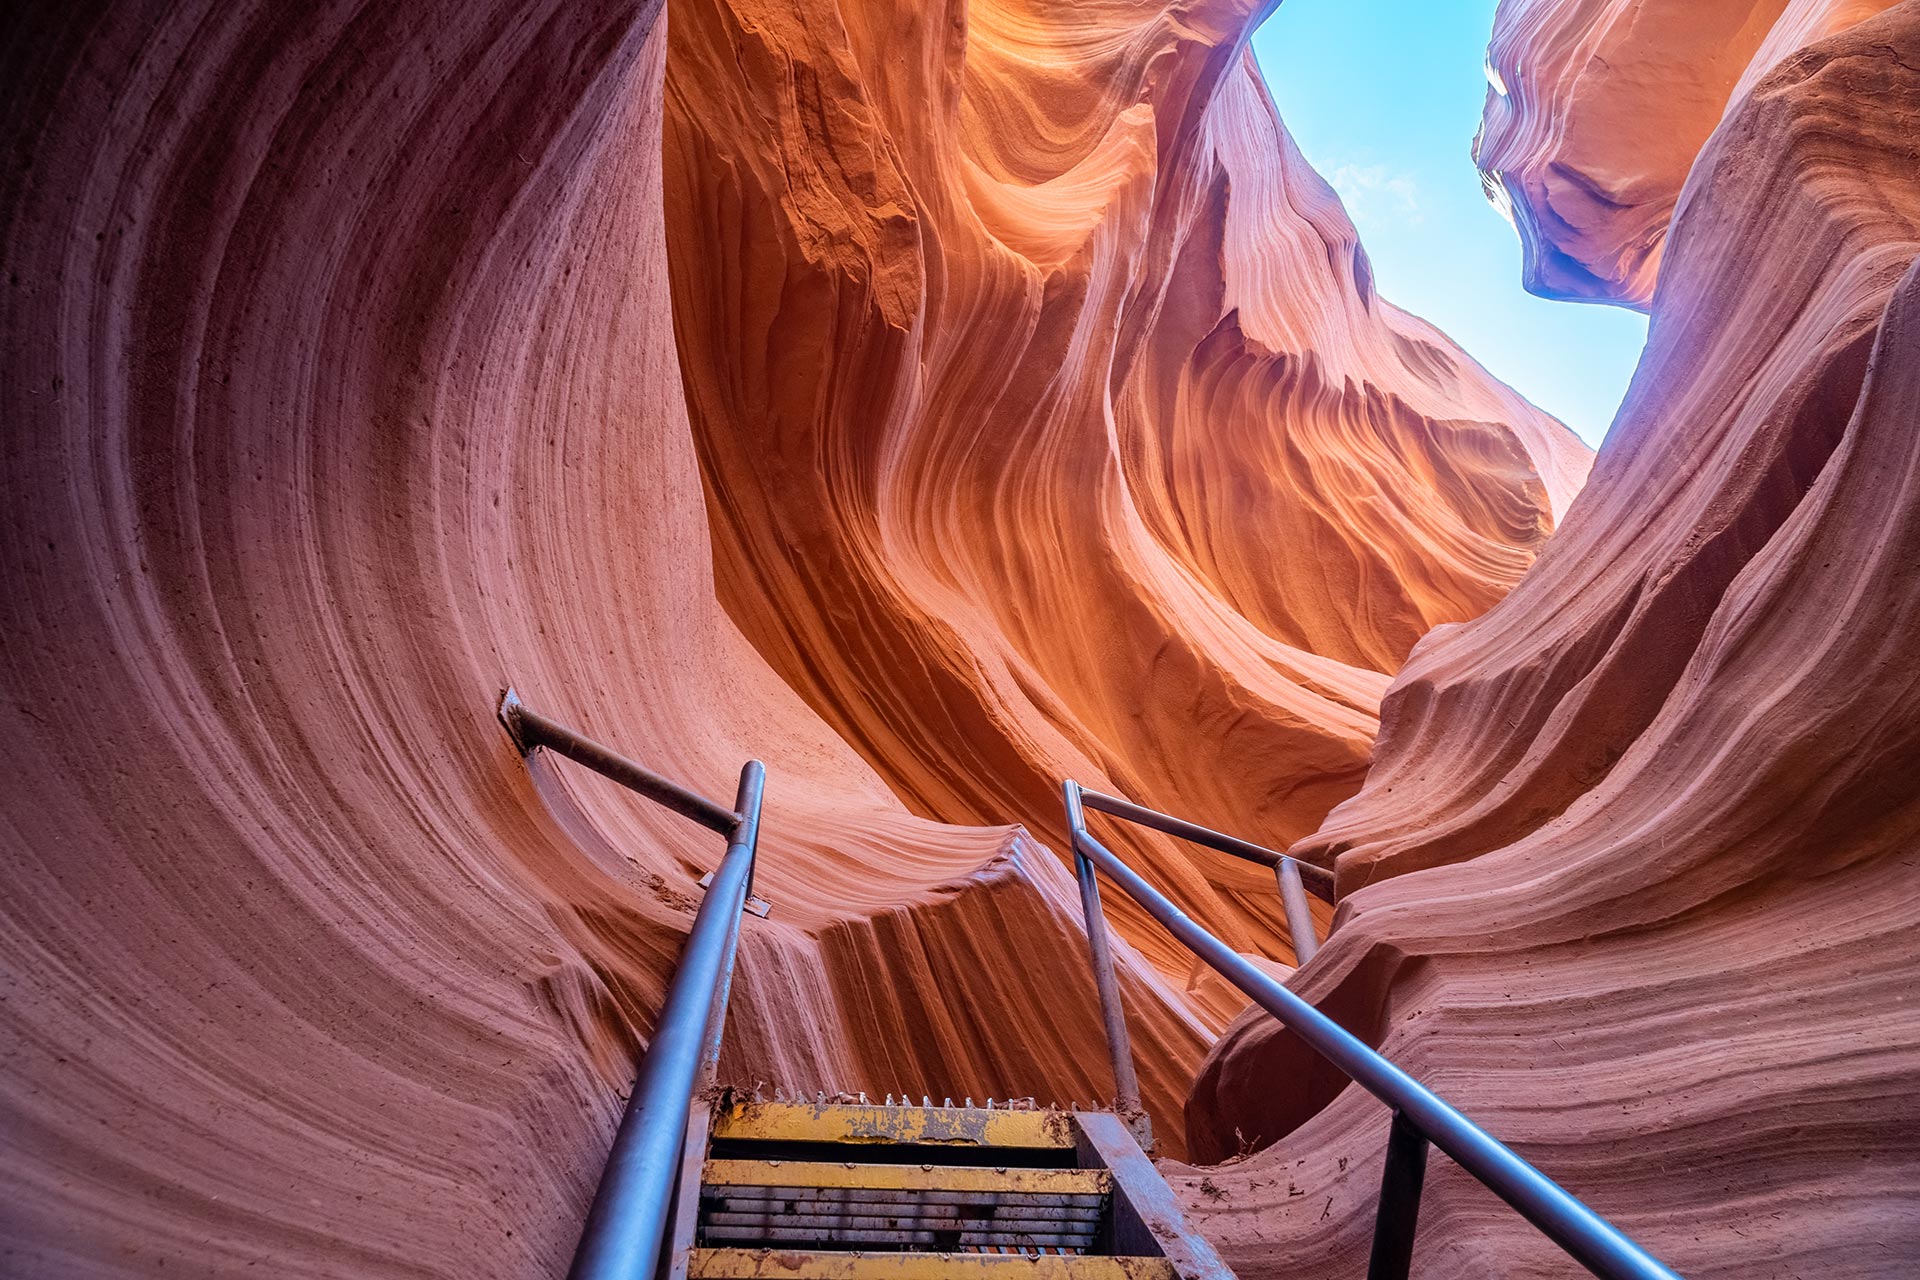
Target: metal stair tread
[782,1264]
[884,1199]
[923,1213]
[852,1175]
[856,1123]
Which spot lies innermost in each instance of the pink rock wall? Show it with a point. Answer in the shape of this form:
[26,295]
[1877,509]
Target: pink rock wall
[1633,877]
[341,388]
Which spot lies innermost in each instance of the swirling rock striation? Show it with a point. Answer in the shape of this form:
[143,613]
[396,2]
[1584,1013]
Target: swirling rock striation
[1596,110]
[341,388]
[1050,421]
[1633,878]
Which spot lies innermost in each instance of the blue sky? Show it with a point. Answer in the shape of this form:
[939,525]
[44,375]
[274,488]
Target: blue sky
[1384,97]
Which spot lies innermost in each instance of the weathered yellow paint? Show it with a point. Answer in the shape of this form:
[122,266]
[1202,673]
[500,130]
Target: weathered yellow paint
[837,1122]
[782,1264]
[907,1177]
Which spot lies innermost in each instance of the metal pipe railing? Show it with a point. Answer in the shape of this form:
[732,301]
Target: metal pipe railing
[1293,897]
[529,729]
[1420,1116]
[1193,833]
[1290,874]
[628,1221]
[1126,1085]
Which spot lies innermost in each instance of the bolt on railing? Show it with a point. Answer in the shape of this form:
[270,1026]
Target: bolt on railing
[1420,1117]
[622,1237]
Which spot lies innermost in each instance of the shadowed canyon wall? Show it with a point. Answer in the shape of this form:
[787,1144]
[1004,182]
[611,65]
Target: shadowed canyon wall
[1633,878]
[1050,423]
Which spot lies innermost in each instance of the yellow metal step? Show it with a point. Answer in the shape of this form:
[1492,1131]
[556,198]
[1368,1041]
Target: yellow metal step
[779,1264]
[837,1122]
[907,1177]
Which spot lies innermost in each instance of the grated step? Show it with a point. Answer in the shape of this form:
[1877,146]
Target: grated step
[784,1264]
[800,1174]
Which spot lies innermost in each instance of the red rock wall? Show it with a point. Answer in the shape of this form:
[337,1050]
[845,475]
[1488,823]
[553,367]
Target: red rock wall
[341,389]
[1596,110]
[1052,426]
[1633,878]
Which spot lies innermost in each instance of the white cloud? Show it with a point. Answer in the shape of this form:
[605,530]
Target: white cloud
[1377,197]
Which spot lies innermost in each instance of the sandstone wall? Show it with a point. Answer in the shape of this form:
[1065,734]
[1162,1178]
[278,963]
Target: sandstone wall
[1596,110]
[341,389]
[1633,877]
[1051,423]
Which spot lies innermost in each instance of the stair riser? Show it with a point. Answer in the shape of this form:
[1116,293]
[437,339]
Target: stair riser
[903,1177]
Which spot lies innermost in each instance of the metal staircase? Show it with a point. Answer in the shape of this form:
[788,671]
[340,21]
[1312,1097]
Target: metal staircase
[824,1191]
[706,1187]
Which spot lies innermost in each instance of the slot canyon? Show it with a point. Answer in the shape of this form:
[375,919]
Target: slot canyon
[936,403]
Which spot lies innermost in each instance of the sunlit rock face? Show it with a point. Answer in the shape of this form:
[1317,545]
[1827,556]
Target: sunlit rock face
[1597,109]
[1051,423]
[1634,877]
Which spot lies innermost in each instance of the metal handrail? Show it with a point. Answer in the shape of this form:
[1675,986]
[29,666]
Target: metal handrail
[621,1239]
[1291,874]
[530,729]
[1420,1117]
[1321,877]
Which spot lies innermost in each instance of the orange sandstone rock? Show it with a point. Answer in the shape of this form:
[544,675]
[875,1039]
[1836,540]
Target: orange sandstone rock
[1049,424]
[1633,878]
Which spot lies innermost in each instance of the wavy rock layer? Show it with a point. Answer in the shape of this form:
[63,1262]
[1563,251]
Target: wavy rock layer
[1050,421]
[1597,110]
[341,390]
[1660,800]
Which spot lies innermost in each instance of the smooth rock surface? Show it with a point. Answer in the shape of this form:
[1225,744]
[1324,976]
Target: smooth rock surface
[341,389]
[1633,879]
[1052,426]
[1596,110]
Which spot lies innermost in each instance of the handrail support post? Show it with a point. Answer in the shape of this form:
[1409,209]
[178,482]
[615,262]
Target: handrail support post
[1399,1213]
[1293,897]
[747,836]
[1126,1084]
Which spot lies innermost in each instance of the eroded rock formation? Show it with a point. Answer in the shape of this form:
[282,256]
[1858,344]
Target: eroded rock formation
[1597,109]
[1050,424]
[340,389]
[1660,799]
